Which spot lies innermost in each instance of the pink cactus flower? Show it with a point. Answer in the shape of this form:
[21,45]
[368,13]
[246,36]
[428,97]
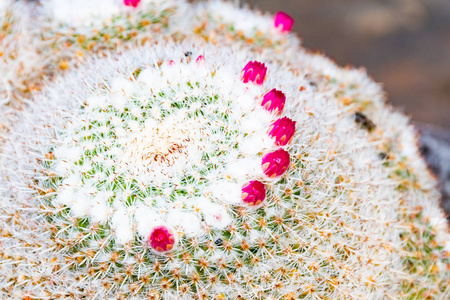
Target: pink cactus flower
[283,21]
[162,239]
[274,101]
[254,72]
[274,164]
[200,59]
[133,3]
[253,193]
[171,63]
[282,130]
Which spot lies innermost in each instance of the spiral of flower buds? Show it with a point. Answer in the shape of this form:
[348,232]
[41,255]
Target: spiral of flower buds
[200,59]
[133,3]
[253,193]
[274,101]
[254,72]
[283,21]
[162,239]
[282,131]
[275,163]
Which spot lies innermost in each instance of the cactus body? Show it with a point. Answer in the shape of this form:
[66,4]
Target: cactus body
[210,158]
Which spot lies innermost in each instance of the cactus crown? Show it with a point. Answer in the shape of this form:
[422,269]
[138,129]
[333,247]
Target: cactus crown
[169,138]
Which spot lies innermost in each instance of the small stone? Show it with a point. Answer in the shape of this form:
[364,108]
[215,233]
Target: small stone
[383,155]
[362,119]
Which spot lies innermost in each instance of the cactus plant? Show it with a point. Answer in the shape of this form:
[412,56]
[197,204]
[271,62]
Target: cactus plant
[215,160]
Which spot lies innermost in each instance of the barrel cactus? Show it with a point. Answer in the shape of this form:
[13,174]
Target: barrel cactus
[210,157]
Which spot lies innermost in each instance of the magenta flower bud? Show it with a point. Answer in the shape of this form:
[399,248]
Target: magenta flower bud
[274,101]
[283,21]
[282,130]
[254,72]
[274,164]
[200,59]
[253,193]
[162,239]
[171,63]
[133,3]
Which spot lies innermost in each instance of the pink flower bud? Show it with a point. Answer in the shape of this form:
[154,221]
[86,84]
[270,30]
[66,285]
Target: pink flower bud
[274,101]
[282,130]
[254,72]
[200,59]
[162,239]
[133,3]
[171,63]
[274,164]
[283,21]
[253,193]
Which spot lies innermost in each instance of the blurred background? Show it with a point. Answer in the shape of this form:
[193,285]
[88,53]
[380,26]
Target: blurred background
[405,44]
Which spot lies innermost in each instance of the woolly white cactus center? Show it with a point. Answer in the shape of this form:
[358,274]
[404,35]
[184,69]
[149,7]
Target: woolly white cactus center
[171,141]
[154,145]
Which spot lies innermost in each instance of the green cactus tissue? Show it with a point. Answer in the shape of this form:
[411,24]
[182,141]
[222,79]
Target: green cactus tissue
[205,155]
